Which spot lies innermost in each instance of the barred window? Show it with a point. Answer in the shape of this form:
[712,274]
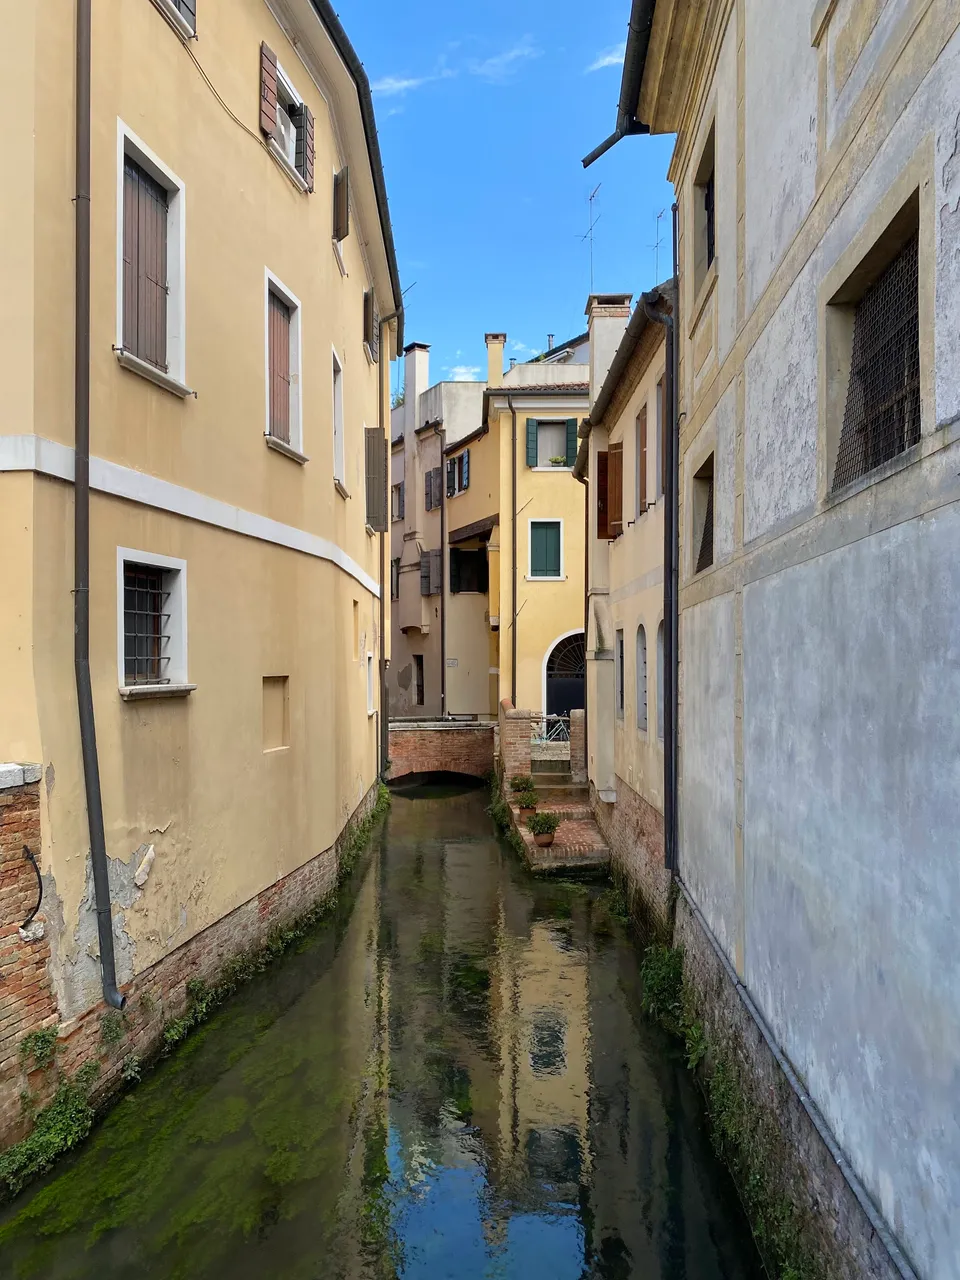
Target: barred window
[146,629]
[882,413]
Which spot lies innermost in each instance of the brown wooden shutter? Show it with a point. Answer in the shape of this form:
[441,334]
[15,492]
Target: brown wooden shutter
[306,146]
[663,437]
[144,266]
[615,491]
[642,460]
[436,572]
[376,475]
[268,90]
[341,204]
[603,523]
[279,358]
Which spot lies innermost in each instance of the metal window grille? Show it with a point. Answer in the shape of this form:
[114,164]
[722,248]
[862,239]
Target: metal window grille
[146,625]
[882,414]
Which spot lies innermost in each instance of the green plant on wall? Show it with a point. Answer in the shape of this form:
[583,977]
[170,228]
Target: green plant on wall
[59,1127]
[113,1026]
[39,1046]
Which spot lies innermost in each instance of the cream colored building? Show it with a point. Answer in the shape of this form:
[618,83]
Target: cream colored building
[241,259]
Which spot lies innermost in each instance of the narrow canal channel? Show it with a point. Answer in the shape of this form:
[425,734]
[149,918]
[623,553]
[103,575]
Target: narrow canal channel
[452,1078]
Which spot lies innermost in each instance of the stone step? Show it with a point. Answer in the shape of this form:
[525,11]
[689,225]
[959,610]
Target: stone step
[569,793]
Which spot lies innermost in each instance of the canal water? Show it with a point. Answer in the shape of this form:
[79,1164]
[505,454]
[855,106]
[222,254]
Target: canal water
[451,1078]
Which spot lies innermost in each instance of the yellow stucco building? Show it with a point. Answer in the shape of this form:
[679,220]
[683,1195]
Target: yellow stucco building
[240,260]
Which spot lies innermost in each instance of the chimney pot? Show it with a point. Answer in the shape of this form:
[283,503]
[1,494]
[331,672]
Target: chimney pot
[549,341]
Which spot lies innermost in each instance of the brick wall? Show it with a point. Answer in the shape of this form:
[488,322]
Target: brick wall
[514,739]
[440,747]
[633,829]
[155,996]
[578,745]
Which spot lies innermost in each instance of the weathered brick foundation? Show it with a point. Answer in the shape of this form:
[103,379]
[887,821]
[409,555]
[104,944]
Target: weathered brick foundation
[633,829]
[514,740]
[578,746]
[439,746]
[159,994]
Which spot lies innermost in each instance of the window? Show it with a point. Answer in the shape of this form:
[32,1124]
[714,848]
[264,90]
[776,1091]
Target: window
[704,224]
[375,473]
[418,678]
[276,713]
[341,204]
[703,515]
[615,490]
[181,14]
[551,443]
[619,673]
[395,578]
[284,417]
[660,682]
[286,120]
[371,687]
[603,500]
[546,549]
[879,334]
[661,444]
[397,493]
[150,265]
[371,325]
[431,572]
[641,679]
[641,462]
[432,491]
[458,474]
[469,571]
[339,467]
[152,622]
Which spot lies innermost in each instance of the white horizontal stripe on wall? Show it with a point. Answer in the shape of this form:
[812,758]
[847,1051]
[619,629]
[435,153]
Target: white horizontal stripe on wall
[35,453]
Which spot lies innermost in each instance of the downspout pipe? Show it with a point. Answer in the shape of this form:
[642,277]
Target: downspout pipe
[634,62]
[81,495]
[670,566]
[442,434]
[513,537]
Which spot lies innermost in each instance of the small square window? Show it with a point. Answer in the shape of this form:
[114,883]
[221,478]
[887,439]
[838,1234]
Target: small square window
[152,623]
[546,549]
[276,713]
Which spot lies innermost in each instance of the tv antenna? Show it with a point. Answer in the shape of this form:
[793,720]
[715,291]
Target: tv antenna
[593,223]
[656,247]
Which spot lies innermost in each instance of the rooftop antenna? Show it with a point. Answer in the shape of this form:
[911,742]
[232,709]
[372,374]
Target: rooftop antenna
[656,248]
[593,223]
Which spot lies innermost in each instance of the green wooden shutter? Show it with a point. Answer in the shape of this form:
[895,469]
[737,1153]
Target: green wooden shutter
[466,468]
[571,441]
[531,442]
[538,544]
[553,550]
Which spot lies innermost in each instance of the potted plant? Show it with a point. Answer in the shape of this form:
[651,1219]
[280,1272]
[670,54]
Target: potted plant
[558,462]
[543,827]
[527,802]
[521,782]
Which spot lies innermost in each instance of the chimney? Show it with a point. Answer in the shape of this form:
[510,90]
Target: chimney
[608,315]
[416,379]
[513,362]
[495,344]
[549,341]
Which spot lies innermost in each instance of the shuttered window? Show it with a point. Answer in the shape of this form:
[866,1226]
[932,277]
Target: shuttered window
[547,441]
[433,495]
[469,571]
[615,490]
[641,461]
[285,117]
[371,324]
[341,204]
[397,501]
[144,265]
[375,450]
[603,503]
[431,572]
[278,321]
[545,557]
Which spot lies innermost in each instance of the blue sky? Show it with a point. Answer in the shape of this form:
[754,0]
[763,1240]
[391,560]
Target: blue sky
[485,110]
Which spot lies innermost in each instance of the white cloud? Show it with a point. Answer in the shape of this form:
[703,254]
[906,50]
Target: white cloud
[502,65]
[388,86]
[609,58]
[465,373]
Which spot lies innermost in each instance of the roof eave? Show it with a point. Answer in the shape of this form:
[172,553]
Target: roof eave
[634,64]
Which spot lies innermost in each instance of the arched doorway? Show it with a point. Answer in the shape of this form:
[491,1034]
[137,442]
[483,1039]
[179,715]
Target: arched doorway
[566,675]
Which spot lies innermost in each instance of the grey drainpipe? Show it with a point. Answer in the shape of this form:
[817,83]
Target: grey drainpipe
[670,573]
[81,504]
[513,534]
[441,432]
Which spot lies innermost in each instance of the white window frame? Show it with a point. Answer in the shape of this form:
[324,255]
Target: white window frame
[273,284]
[176,19]
[339,448]
[129,144]
[179,684]
[371,686]
[540,577]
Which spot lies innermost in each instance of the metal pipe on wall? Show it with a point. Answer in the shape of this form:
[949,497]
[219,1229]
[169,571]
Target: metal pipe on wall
[513,535]
[81,496]
[441,432]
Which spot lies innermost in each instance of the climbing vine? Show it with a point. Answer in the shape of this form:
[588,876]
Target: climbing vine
[58,1128]
[40,1045]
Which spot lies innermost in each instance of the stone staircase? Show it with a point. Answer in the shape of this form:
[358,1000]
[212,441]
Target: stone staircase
[578,847]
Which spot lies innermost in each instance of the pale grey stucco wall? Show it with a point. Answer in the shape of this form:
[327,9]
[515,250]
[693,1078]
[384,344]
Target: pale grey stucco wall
[852,779]
[707,763]
[781,132]
[726,201]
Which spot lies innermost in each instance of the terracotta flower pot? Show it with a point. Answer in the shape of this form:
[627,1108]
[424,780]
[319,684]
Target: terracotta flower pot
[525,813]
[545,840]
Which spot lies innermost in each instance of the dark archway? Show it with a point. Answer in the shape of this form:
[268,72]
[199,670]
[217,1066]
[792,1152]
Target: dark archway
[567,675]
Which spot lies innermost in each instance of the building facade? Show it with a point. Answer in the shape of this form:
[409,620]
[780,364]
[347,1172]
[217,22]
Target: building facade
[240,259]
[818,185]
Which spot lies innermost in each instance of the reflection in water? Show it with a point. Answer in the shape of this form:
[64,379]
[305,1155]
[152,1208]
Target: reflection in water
[451,1079]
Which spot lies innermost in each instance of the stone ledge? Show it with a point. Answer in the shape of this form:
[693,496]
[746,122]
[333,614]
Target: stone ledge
[19,775]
